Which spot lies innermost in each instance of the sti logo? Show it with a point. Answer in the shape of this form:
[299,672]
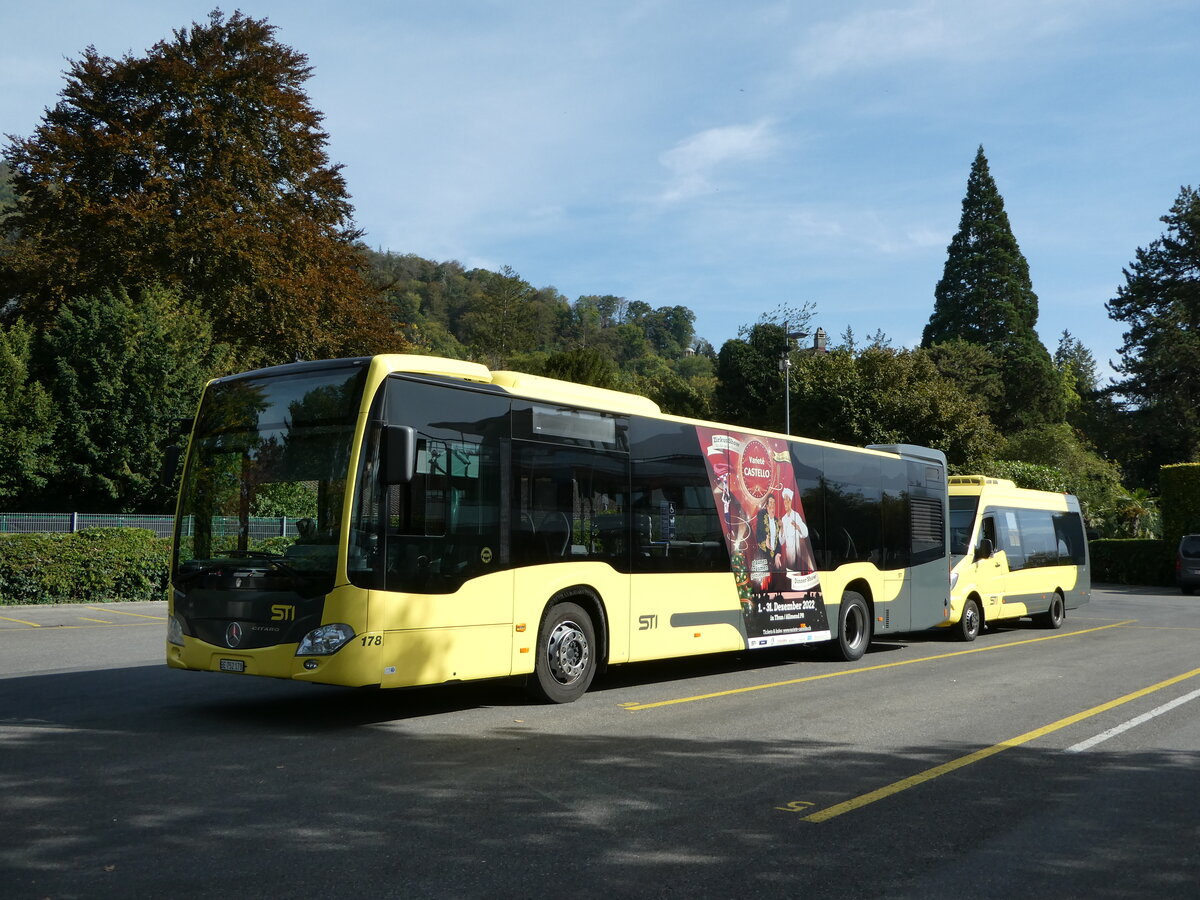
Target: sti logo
[282,613]
[645,623]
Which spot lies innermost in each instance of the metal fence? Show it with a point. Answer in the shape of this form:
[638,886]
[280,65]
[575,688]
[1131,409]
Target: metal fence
[163,526]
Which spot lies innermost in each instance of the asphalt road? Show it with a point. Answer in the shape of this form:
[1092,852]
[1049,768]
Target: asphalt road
[1030,763]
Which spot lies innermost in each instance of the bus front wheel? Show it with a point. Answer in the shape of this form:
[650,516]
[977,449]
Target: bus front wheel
[970,623]
[566,654]
[854,626]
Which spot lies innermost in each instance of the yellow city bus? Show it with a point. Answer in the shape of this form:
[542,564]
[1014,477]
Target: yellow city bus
[459,523]
[1014,553]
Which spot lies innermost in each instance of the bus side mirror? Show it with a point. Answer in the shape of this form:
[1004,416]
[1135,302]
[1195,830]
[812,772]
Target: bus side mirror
[984,550]
[397,454]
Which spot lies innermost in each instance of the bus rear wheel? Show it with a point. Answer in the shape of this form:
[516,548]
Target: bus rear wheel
[854,626]
[566,654]
[1053,617]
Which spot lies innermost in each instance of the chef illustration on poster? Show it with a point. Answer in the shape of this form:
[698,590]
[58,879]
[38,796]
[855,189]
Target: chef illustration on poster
[766,531]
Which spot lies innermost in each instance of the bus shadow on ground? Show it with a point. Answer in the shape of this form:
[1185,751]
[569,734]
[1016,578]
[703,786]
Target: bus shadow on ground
[165,796]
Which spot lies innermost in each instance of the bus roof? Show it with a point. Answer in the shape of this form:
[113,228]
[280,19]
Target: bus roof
[553,390]
[978,485]
[980,480]
[534,386]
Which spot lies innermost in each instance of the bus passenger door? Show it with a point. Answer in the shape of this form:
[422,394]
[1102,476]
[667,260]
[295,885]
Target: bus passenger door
[570,532]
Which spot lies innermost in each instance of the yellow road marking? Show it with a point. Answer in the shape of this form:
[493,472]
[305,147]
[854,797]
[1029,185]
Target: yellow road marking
[121,612]
[101,621]
[929,774]
[21,621]
[50,628]
[906,662]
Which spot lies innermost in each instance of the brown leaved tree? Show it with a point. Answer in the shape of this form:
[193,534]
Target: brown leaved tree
[201,167]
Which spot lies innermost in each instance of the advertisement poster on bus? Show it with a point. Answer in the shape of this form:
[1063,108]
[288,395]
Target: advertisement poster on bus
[766,530]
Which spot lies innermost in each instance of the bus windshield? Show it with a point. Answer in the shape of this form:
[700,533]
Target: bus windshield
[265,479]
[962,521]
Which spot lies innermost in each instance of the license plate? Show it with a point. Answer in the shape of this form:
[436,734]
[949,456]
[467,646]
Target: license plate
[233,665]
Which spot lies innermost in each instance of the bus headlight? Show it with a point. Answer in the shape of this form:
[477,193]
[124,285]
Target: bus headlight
[174,630]
[325,640]
[953,580]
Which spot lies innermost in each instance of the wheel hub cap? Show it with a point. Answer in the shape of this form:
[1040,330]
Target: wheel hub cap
[568,652]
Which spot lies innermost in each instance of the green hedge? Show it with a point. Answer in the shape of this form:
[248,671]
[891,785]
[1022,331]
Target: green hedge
[1132,562]
[1179,487]
[97,565]
[101,565]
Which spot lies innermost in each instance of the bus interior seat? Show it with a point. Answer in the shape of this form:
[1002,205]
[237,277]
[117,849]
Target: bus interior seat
[555,533]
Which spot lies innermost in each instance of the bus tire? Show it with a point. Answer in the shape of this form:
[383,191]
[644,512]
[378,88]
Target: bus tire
[854,627]
[970,623]
[566,654]
[1053,617]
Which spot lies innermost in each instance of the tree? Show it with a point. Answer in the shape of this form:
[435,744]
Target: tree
[973,368]
[985,296]
[26,420]
[1095,480]
[749,387]
[1076,362]
[1089,408]
[886,396]
[985,293]
[1032,390]
[200,166]
[1160,358]
[583,365]
[877,395]
[122,371]
[502,319]
[7,199]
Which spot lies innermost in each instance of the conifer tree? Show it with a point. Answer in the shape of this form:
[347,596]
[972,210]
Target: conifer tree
[986,297]
[1160,306]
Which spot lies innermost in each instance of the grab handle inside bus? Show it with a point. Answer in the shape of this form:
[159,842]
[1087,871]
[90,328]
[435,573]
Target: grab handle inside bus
[398,454]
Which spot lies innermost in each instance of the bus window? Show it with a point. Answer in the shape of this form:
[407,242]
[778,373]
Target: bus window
[1038,538]
[675,523]
[1008,533]
[896,520]
[853,517]
[1072,548]
[568,504]
[987,532]
[443,527]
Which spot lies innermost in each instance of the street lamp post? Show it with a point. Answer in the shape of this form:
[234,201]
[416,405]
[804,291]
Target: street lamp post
[785,366]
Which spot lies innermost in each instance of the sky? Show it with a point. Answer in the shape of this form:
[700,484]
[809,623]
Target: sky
[736,158]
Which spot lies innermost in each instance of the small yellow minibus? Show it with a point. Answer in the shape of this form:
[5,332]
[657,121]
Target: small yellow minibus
[1014,553]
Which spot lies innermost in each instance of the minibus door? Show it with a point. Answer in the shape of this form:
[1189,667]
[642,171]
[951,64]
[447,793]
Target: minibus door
[991,568]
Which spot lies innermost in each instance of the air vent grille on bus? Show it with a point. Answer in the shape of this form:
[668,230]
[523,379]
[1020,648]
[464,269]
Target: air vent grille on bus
[928,522]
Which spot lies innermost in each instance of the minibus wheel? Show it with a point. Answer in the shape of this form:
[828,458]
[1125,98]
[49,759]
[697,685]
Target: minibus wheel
[1053,617]
[970,623]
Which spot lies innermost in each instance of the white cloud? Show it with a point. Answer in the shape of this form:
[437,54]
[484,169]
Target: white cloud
[939,31]
[695,161]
